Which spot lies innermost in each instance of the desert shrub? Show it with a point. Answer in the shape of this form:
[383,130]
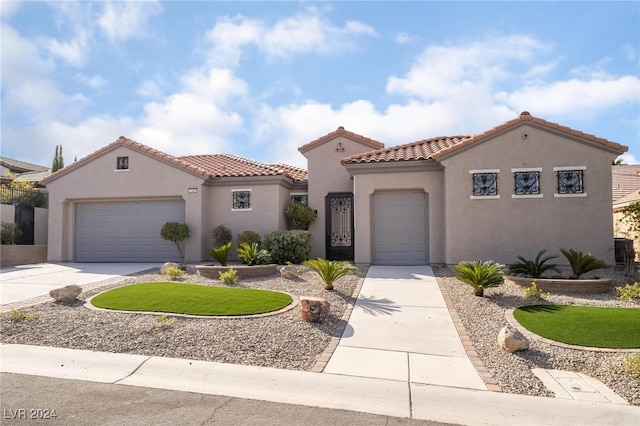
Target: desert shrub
[249,237]
[288,246]
[330,270]
[229,277]
[220,235]
[582,263]
[176,232]
[533,268]
[16,315]
[163,321]
[480,275]
[629,291]
[10,233]
[631,364]
[220,254]
[174,272]
[534,293]
[251,254]
[301,215]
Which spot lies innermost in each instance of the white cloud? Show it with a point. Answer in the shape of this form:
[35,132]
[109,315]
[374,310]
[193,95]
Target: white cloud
[229,36]
[91,81]
[628,159]
[403,38]
[149,89]
[75,18]
[8,8]
[122,20]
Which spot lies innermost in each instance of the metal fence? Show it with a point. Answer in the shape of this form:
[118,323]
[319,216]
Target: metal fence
[34,197]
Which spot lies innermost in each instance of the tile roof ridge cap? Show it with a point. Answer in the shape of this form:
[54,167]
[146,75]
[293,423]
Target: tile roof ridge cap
[254,162]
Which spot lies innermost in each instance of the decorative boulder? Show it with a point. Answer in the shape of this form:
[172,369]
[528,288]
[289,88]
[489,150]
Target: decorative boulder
[66,294]
[289,272]
[512,340]
[314,309]
[163,269]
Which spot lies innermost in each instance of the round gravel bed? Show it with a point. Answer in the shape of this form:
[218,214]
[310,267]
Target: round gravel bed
[483,317]
[281,341]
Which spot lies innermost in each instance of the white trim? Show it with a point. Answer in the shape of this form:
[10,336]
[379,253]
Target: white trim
[559,169]
[526,169]
[526,196]
[122,170]
[484,197]
[484,171]
[242,210]
[578,195]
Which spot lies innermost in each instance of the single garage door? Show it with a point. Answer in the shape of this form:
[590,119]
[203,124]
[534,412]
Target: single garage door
[400,228]
[125,231]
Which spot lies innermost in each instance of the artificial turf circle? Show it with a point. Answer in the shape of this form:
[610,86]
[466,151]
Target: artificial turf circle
[598,327]
[191,299]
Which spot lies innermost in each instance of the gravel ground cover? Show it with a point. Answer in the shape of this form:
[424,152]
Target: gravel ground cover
[286,341]
[483,317]
[282,341]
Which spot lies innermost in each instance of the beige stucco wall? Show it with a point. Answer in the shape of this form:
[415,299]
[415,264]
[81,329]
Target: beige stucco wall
[401,177]
[97,180]
[500,229]
[40,217]
[326,175]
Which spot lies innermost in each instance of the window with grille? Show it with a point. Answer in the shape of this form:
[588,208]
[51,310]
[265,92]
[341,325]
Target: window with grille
[241,199]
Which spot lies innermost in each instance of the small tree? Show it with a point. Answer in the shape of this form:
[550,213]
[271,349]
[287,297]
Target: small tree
[220,235]
[300,215]
[58,160]
[480,275]
[176,232]
[11,233]
[631,215]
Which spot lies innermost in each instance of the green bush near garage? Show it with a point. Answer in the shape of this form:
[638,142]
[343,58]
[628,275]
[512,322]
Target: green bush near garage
[288,246]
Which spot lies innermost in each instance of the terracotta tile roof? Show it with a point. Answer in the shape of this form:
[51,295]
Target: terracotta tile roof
[625,179]
[341,132]
[436,148]
[122,141]
[226,165]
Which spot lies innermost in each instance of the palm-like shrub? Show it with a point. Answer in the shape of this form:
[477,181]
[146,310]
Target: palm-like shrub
[330,270]
[582,263]
[220,254]
[533,268]
[251,254]
[480,275]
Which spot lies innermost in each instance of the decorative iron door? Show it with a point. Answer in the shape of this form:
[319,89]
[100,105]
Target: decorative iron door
[339,226]
[24,218]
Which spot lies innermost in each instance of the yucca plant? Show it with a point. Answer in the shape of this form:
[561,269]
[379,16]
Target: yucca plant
[330,270]
[533,268]
[220,254]
[480,275]
[251,254]
[582,263]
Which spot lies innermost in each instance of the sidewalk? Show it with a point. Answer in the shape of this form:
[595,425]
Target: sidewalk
[400,355]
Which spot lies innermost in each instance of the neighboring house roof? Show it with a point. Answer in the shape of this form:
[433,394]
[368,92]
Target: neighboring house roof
[341,132]
[627,199]
[436,148]
[205,166]
[226,165]
[625,179]
[17,166]
[32,176]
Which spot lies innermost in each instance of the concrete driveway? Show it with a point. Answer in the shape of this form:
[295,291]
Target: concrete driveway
[22,283]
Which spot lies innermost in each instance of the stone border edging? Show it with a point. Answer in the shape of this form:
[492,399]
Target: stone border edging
[467,343]
[515,324]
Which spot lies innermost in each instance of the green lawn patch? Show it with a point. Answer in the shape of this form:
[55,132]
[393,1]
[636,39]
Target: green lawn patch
[598,327]
[192,299]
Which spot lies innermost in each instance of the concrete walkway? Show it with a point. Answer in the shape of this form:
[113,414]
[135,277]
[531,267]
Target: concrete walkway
[400,356]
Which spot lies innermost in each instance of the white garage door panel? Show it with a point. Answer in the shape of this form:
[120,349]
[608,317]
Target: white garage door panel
[400,228]
[125,231]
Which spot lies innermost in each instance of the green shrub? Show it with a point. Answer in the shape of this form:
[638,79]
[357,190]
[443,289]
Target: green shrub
[582,263]
[221,235]
[629,291]
[533,292]
[533,268]
[229,277]
[301,215]
[176,232]
[251,254]
[288,246]
[631,364]
[16,315]
[249,237]
[220,254]
[480,275]
[174,273]
[163,321]
[10,233]
[330,270]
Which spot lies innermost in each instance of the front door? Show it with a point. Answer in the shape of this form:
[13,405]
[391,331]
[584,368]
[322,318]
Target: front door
[339,226]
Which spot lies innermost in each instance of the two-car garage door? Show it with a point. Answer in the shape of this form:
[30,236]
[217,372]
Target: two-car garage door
[399,231]
[125,231]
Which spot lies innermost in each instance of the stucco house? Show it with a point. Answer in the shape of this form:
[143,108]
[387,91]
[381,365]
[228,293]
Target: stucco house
[626,190]
[522,186]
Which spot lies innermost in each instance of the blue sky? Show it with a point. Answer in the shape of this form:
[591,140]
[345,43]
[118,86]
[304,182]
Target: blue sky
[260,79]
